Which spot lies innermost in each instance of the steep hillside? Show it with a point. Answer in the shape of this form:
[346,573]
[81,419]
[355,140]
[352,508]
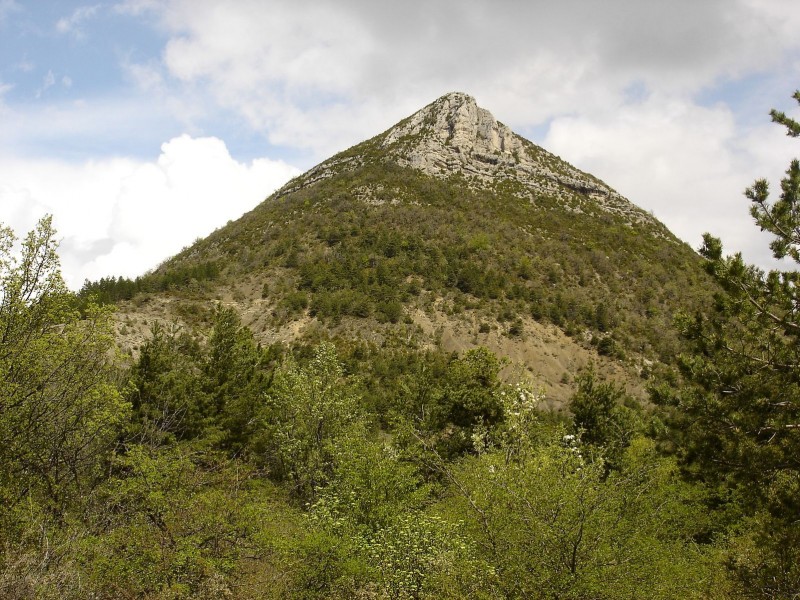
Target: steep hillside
[448,230]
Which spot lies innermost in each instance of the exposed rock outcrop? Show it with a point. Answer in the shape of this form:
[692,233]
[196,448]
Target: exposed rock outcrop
[453,135]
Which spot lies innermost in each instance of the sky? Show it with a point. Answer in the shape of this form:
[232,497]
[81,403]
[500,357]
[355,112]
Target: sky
[142,125]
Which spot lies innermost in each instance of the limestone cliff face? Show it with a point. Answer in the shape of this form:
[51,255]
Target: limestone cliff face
[454,136]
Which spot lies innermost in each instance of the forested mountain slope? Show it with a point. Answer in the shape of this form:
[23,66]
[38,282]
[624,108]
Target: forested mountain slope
[447,230]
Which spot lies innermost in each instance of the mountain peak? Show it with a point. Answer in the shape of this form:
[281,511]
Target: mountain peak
[453,136]
[456,121]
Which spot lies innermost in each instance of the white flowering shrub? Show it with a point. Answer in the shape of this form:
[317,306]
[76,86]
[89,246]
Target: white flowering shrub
[522,419]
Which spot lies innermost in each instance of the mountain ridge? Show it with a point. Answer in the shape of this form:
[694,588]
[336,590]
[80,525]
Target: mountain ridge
[453,136]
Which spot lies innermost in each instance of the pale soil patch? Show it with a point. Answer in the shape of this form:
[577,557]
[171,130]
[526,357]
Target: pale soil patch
[541,355]
[133,322]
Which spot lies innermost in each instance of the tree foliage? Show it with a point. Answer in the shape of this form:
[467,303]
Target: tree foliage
[166,390]
[59,411]
[601,417]
[552,523]
[740,420]
[308,413]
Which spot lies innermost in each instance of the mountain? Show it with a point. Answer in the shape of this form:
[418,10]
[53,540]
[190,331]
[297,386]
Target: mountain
[447,231]
[453,135]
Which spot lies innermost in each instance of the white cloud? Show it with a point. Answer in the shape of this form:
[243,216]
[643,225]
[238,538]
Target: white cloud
[300,70]
[5,112]
[137,7]
[48,81]
[123,217]
[146,77]
[25,66]
[688,164]
[72,24]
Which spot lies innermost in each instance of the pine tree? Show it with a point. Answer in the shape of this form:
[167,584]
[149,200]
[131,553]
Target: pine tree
[741,416]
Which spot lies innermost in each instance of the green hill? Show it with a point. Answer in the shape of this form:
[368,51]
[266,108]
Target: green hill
[450,231]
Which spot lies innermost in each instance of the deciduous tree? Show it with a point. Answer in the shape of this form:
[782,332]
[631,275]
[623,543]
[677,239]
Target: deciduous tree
[59,410]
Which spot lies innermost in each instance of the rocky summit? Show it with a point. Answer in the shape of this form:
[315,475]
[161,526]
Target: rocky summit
[454,136]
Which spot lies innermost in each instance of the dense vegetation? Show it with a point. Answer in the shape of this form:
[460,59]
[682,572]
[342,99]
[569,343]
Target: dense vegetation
[110,290]
[375,240]
[227,469]
[213,467]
